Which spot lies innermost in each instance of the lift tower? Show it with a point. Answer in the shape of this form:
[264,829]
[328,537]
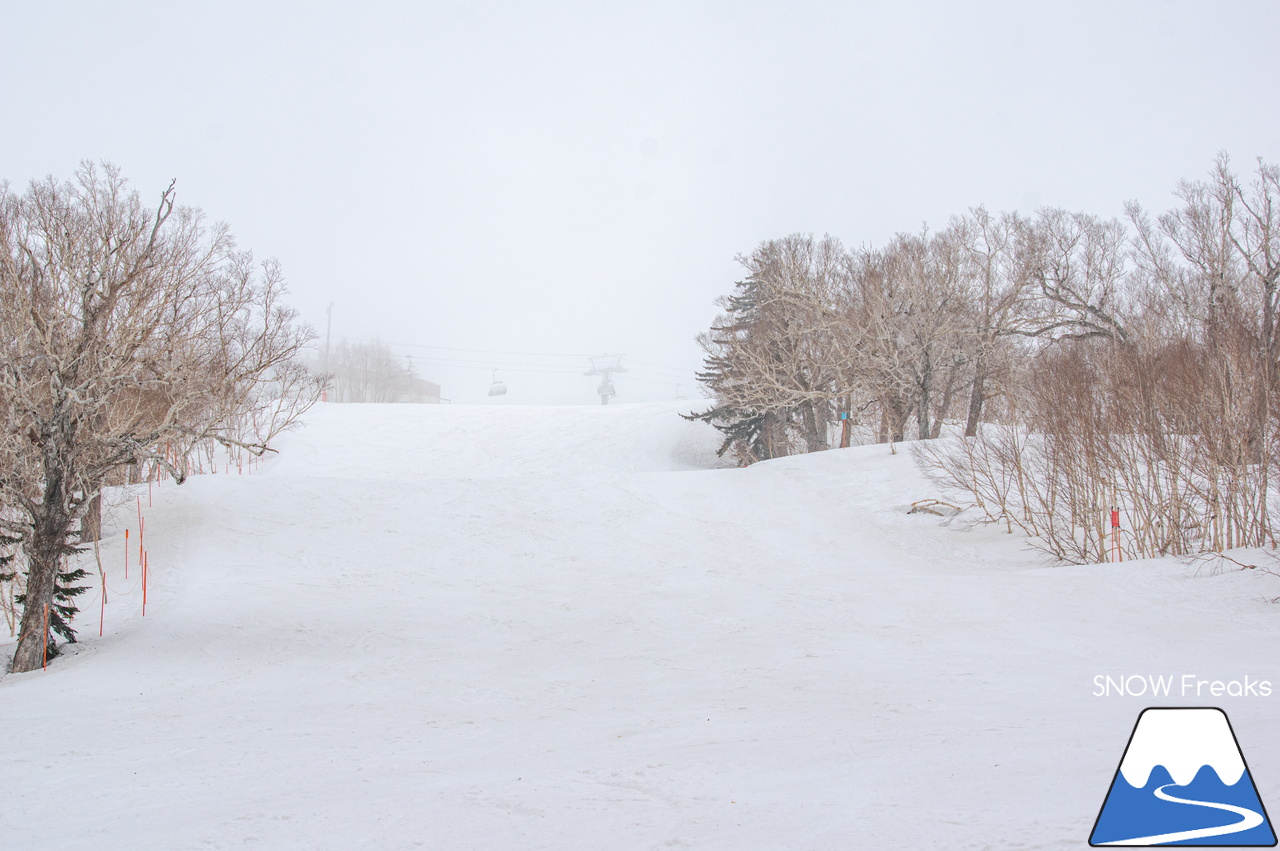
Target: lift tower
[605,366]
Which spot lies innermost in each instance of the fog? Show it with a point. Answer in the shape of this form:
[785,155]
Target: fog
[519,187]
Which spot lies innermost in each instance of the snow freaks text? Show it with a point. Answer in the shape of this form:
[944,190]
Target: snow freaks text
[1174,685]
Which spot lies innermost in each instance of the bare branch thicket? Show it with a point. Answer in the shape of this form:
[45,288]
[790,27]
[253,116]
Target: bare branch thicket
[1159,400]
[1153,431]
[131,338]
[1097,365]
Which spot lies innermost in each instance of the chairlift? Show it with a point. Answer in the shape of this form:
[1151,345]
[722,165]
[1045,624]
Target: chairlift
[605,366]
[497,388]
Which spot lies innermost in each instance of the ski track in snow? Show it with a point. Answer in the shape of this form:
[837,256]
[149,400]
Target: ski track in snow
[501,627]
[1248,820]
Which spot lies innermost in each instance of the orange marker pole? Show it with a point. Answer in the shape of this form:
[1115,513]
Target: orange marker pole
[126,553]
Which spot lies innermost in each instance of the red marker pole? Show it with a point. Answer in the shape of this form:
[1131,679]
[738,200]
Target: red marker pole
[126,553]
[1115,535]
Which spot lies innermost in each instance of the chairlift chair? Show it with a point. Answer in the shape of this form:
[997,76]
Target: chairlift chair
[497,388]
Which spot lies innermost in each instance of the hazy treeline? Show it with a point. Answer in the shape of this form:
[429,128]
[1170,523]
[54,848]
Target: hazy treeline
[1073,364]
[369,372]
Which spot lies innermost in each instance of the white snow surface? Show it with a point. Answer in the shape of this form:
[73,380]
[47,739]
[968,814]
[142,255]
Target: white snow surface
[1183,741]
[498,627]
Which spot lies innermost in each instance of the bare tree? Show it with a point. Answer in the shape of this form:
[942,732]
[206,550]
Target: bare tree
[129,337]
[1000,307]
[900,339]
[1079,263]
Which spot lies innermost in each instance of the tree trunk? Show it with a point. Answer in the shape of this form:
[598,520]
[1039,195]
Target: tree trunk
[926,387]
[44,556]
[91,521]
[769,437]
[893,423]
[815,426]
[944,404]
[976,399]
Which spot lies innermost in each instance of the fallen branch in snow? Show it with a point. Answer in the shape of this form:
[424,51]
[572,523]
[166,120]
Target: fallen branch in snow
[934,506]
[1215,559]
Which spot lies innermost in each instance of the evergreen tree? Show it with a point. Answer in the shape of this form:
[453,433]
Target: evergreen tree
[769,366]
[7,573]
[745,428]
[63,608]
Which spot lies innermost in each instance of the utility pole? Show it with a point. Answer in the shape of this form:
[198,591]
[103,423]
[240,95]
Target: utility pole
[605,366]
[328,331]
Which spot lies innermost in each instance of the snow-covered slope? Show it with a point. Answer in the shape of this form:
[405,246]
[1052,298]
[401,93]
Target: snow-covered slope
[410,442]
[500,627]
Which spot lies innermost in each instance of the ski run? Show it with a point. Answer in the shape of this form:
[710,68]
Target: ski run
[500,627]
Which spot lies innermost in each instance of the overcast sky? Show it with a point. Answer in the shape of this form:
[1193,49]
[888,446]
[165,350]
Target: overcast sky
[469,180]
